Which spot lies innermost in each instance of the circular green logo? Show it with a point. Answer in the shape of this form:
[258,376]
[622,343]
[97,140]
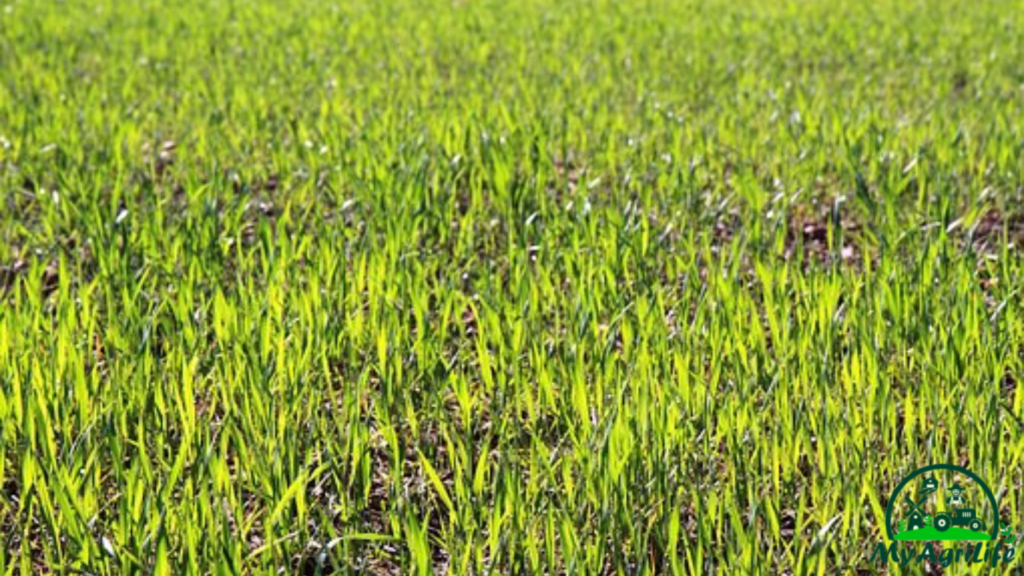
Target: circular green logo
[957,520]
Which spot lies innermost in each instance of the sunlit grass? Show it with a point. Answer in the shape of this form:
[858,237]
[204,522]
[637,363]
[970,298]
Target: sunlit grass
[538,287]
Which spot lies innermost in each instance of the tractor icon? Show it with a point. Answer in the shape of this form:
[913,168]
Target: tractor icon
[963,517]
[938,508]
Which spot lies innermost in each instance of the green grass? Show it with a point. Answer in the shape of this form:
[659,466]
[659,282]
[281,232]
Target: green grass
[481,287]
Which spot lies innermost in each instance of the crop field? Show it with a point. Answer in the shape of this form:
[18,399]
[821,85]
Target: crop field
[484,287]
